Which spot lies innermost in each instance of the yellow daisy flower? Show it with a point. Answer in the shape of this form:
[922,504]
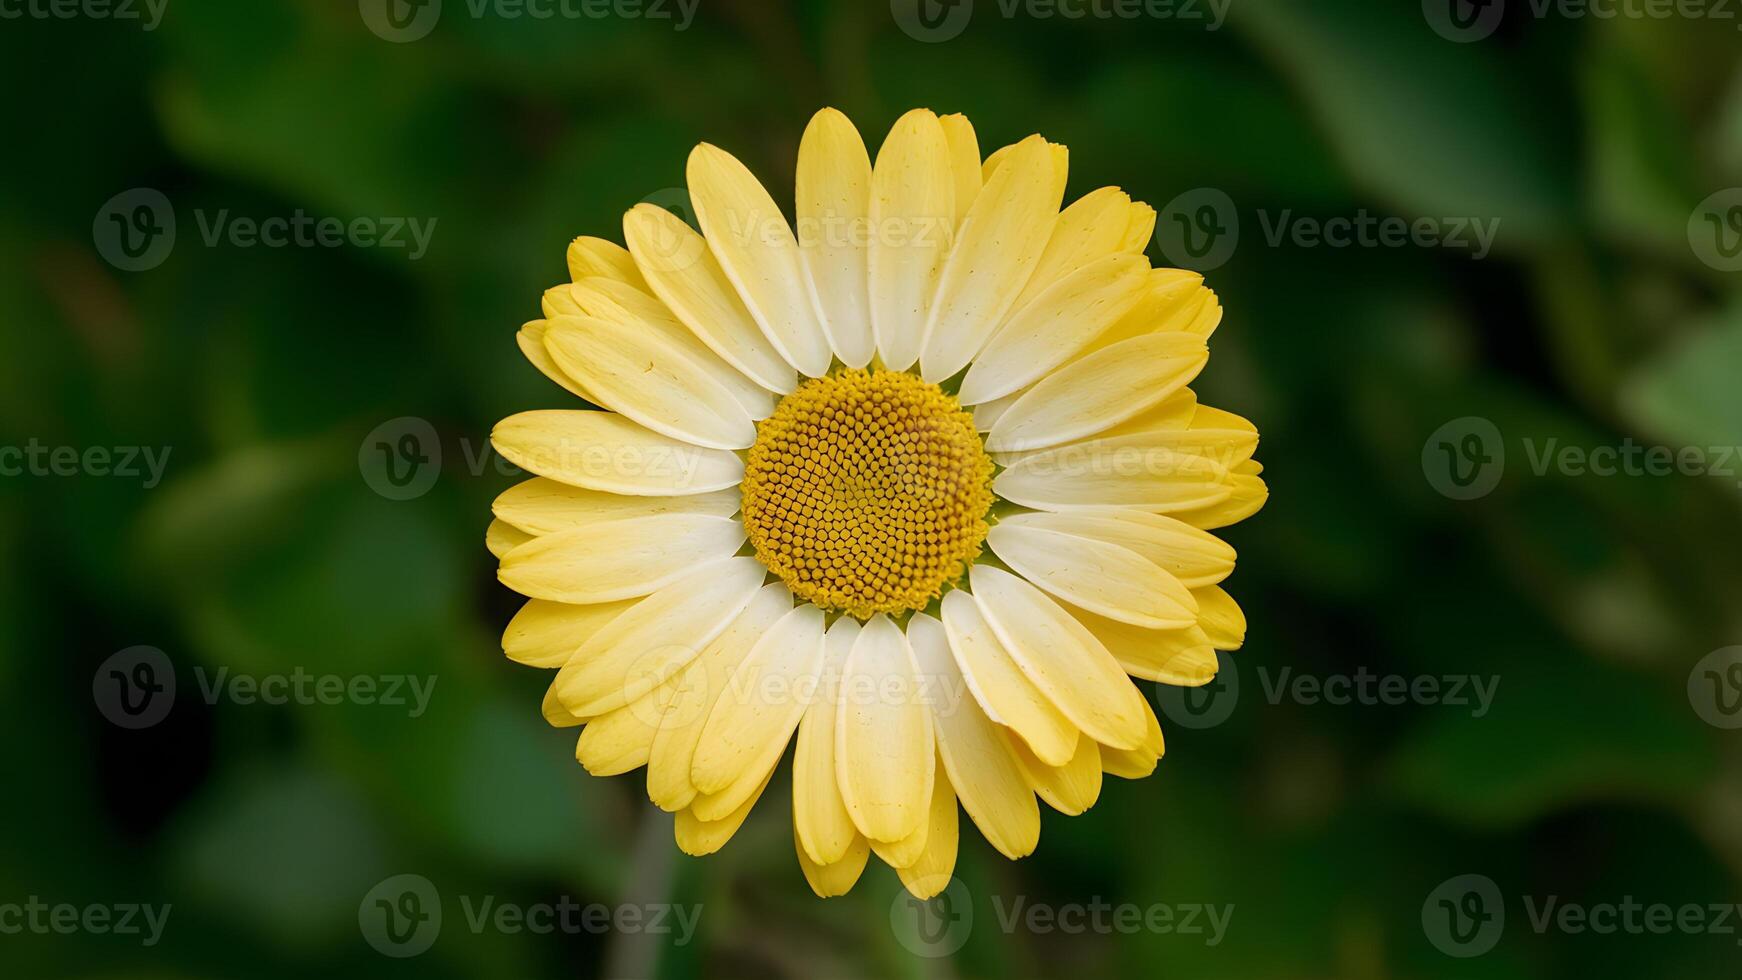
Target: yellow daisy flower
[917,488]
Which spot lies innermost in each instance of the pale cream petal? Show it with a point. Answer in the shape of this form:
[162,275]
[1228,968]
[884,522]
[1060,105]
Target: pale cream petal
[838,878]
[1178,656]
[1138,762]
[986,414]
[1246,496]
[686,277]
[931,870]
[833,215]
[636,373]
[1089,476]
[646,645]
[531,341]
[1071,788]
[756,249]
[699,838]
[619,741]
[1063,659]
[543,506]
[1099,391]
[913,214]
[825,830]
[1106,578]
[1058,322]
[605,451]
[998,684]
[755,716]
[1195,557]
[1094,227]
[884,740]
[977,760]
[590,257]
[618,559]
[547,634]
[1220,618]
[501,537]
[1173,301]
[994,253]
[964,160]
[695,689]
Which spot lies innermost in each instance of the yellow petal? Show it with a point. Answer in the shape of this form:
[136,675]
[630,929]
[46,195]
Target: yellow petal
[547,634]
[618,741]
[618,559]
[698,838]
[756,249]
[647,644]
[1194,557]
[1090,476]
[542,506]
[605,451]
[636,372]
[1092,228]
[1059,322]
[1106,578]
[501,537]
[1099,391]
[994,254]
[755,716]
[694,691]
[589,257]
[1063,659]
[1070,788]
[964,160]
[833,212]
[554,712]
[903,852]
[913,213]
[931,870]
[884,742]
[1177,656]
[998,684]
[978,761]
[825,830]
[838,878]
[531,341]
[1246,496]
[684,274]
[1220,618]
[1138,762]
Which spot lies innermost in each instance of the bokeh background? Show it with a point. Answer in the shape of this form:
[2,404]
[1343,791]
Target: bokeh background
[1598,318]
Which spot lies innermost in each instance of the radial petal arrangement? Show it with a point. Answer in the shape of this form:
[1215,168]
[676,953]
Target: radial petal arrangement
[913,486]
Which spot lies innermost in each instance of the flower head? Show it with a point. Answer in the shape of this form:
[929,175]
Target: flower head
[914,484]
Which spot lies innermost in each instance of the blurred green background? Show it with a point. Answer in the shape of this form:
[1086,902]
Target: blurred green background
[1593,321]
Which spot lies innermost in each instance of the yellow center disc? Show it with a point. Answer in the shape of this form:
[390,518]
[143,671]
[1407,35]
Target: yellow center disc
[867,491]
